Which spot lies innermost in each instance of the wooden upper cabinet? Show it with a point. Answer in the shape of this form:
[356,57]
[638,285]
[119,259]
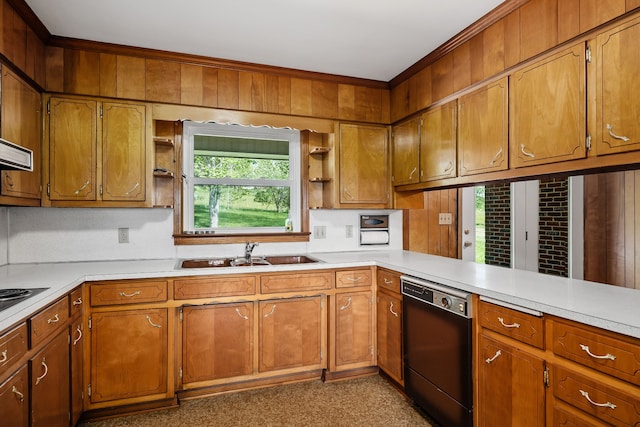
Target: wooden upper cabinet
[438,143]
[405,152]
[72,149]
[483,129]
[21,124]
[548,108]
[364,171]
[123,152]
[98,153]
[617,65]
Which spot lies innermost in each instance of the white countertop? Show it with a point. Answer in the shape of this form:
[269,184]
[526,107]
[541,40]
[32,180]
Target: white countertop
[609,307]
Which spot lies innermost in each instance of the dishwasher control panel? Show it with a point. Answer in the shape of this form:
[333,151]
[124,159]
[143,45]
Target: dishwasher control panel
[436,294]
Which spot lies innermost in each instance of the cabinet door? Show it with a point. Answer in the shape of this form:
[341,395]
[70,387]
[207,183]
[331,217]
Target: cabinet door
[511,385]
[14,400]
[353,313]
[438,143]
[548,108]
[389,328]
[617,86]
[50,392]
[21,125]
[364,171]
[483,129]
[128,354]
[77,369]
[405,152]
[290,333]
[123,152]
[217,341]
[72,149]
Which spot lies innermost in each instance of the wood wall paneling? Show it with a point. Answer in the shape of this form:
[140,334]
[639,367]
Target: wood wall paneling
[422,90]
[81,72]
[108,75]
[34,65]
[423,233]
[568,19]
[442,77]
[477,58]
[462,66]
[191,84]
[324,99]
[596,12]
[15,37]
[400,100]
[131,77]
[210,87]
[512,39]
[493,49]
[538,27]
[301,97]
[162,79]
[347,101]
[54,63]
[632,4]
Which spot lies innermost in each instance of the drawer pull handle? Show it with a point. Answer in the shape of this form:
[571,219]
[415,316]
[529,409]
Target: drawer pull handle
[613,135]
[78,301]
[241,315]
[8,179]
[122,294]
[495,356]
[46,371]
[496,157]
[602,405]
[155,325]
[388,282]
[508,325]
[4,356]
[391,309]
[344,307]
[55,319]
[525,152]
[15,391]
[595,356]
[354,279]
[79,331]
[273,309]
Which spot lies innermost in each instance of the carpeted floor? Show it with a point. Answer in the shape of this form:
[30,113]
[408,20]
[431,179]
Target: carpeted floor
[369,401]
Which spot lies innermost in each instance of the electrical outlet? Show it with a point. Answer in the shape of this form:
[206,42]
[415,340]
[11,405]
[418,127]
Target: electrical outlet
[123,235]
[348,231]
[445,218]
[320,232]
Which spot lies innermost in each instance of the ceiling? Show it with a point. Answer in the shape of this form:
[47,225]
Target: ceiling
[371,39]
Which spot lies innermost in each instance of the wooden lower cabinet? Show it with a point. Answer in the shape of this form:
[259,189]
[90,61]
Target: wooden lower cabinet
[511,388]
[353,322]
[217,341]
[50,385]
[291,334]
[389,337]
[77,368]
[14,400]
[128,356]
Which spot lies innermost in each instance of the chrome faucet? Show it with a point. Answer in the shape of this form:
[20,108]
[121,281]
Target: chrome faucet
[248,249]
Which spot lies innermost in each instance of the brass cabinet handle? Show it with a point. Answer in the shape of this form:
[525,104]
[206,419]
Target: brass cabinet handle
[273,309]
[17,393]
[601,405]
[344,307]
[391,309]
[46,371]
[346,192]
[122,294]
[354,279]
[496,157]
[245,317]
[8,179]
[449,167]
[508,325]
[55,319]
[525,152]
[78,301]
[155,325]
[412,172]
[82,188]
[133,188]
[586,349]
[79,331]
[495,356]
[613,135]
[388,282]
[4,356]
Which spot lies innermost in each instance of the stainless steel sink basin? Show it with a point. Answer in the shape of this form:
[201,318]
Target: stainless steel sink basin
[242,262]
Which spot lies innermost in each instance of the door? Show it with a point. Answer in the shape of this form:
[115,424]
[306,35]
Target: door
[525,225]
[438,143]
[405,154]
[469,224]
[14,400]
[128,354]
[217,341]
[77,369]
[389,328]
[21,123]
[72,149]
[354,329]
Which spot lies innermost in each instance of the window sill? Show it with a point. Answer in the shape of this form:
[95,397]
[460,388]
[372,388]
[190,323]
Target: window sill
[214,239]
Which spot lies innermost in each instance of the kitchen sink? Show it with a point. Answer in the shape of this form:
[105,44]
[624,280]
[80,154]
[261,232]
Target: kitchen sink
[242,262]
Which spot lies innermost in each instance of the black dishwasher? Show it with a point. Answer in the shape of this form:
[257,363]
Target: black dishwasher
[437,351]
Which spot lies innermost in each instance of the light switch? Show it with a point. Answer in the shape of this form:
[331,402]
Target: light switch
[445,218]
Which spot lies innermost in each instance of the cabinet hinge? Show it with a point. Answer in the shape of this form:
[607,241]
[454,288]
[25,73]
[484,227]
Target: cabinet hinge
[100,189]
[545,376]
[321,355]
[587,55]
[588,142]
[48,189]
[89,390]
[181,373]
[371,350]
[181,321]
[101,111]
[49,107]
[89,323]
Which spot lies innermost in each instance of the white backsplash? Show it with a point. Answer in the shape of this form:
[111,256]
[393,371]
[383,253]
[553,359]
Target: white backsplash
[68,234]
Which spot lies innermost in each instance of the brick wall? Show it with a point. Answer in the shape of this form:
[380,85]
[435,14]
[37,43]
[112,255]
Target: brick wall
[497,205]
[553,244]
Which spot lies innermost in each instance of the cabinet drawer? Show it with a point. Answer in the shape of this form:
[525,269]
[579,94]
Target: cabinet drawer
[221,286]
[128,292]
[13,345]
[600,350]
[605,402]
[518,325]
[297,282]
[352,278]
[567,416]
[75,302]
[388,280]
[48,320]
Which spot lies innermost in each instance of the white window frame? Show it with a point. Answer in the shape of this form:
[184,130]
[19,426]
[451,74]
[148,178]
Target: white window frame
[191,129]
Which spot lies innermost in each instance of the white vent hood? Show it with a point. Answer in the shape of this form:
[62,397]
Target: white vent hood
[15,157]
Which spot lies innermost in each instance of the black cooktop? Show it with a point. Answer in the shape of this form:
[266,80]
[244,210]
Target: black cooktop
[10,297]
